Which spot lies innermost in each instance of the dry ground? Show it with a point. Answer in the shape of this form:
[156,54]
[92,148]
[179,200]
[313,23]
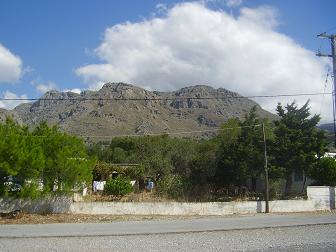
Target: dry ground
[85,218]
[82,218]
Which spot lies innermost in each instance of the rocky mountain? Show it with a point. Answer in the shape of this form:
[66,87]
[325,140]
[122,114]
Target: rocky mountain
[7,113]
[96,113]
[327,127]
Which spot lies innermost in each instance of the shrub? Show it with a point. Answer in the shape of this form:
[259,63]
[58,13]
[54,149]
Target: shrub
[324,172]
[118,187]
[172,186]
[30,191]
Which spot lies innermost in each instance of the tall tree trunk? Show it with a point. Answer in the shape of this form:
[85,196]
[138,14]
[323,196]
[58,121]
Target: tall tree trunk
[304,183]
[289,183]
[254,184]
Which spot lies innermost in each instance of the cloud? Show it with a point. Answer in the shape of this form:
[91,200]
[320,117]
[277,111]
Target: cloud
[161,8]
[44,87]
[10,104]
[233,3]
[193,44]
[227,3]
[263,16]
[10,66]
[74,90]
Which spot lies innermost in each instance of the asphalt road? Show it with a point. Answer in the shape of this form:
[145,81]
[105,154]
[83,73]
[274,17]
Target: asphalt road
[244,233]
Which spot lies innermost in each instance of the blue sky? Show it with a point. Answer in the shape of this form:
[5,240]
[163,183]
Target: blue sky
[56,40]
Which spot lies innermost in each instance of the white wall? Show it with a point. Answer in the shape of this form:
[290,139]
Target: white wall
[323,196]
[319,198]
[166,208]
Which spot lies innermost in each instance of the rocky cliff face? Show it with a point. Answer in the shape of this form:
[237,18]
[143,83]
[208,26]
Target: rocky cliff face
[95,113]
[7,113]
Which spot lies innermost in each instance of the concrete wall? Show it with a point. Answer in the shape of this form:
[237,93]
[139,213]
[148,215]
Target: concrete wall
[166,208]
[42,206]
[319,198]
[322,196]
[208,208]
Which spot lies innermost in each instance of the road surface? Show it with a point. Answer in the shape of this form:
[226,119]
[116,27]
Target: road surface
[305,232]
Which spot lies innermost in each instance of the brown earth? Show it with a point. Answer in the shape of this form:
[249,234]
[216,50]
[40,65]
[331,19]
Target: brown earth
[82,218]
[85,218]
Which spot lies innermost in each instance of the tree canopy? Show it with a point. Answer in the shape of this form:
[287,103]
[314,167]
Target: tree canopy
[45,154]
[297,143]
[180,167]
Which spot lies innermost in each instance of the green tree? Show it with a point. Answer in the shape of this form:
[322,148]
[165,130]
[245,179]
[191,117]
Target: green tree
[66,160]
[241,151]
[324,172]
[297,142]
[45,153]
[21,155]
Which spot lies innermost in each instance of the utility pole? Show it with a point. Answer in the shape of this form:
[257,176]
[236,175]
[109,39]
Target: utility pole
[266,172]
[332,38]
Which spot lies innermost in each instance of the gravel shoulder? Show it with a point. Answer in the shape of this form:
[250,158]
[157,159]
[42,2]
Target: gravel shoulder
[85,218]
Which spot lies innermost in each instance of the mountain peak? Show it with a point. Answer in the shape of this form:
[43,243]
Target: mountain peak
[93,116]
[123,90]
[116,86]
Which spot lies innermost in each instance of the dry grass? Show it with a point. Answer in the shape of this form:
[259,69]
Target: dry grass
[132,197]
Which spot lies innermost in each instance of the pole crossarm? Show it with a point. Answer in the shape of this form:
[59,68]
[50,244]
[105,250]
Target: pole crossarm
[323,55]
[325,35]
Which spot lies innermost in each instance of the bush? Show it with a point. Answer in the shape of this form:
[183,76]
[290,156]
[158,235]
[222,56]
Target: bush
[30,191]
[324,172]
[118,187]
[172,186]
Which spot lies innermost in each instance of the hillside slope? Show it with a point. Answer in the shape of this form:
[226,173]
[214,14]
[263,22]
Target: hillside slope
[92,114]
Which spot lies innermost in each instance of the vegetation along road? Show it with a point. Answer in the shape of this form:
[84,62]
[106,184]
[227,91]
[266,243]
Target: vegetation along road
[305,232]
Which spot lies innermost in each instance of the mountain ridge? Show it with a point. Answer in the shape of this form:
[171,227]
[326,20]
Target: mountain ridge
[121,109]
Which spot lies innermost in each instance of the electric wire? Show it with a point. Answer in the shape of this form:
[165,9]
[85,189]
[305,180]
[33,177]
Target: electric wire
[325,87]
[165,98]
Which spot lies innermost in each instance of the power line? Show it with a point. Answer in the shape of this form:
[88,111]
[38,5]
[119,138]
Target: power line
[165,98]
[325,87]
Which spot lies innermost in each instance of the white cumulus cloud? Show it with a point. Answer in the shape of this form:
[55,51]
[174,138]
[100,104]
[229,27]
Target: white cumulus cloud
[193,44]
[42,86]
[10,66]
[13,100]
[73,90]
